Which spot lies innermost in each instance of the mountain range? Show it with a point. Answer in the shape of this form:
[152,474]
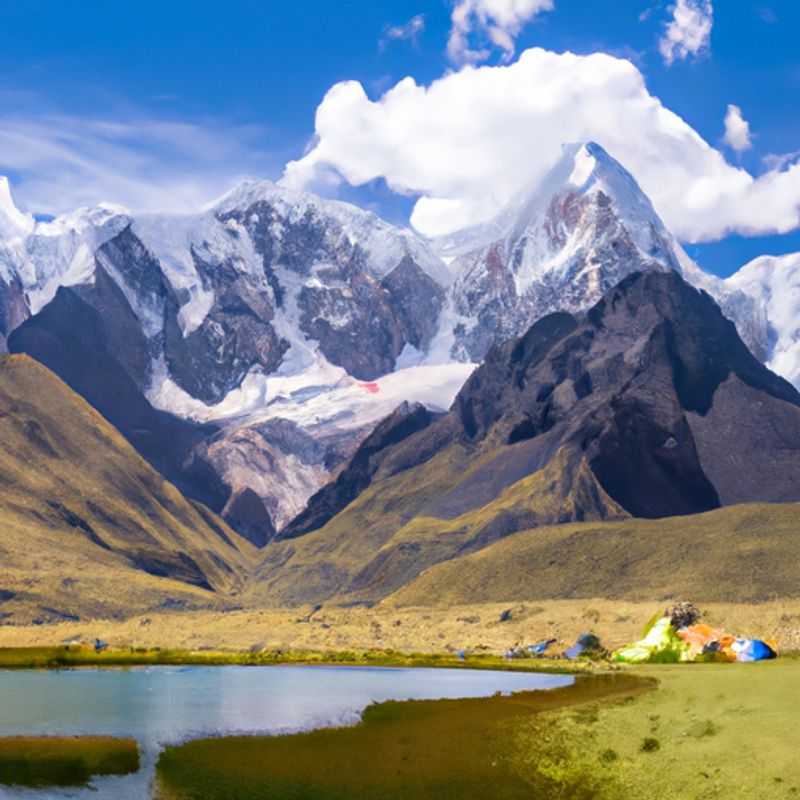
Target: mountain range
[647,406]
[249,351]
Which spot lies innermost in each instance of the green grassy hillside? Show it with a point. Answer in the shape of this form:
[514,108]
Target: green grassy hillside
[748,553]
[87,527]
[394,530]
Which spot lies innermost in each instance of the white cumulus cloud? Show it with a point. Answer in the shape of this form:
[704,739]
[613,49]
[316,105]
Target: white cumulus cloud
[737,130]
[490,23]
[689,31]
[476,138]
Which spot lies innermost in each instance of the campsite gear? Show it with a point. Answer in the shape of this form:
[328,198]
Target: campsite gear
[753,650]
[683,615]
[587,644]
[707,644]
[540,648]
[661,645]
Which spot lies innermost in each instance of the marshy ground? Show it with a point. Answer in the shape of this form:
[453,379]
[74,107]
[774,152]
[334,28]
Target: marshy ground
[706,731]
[39,762]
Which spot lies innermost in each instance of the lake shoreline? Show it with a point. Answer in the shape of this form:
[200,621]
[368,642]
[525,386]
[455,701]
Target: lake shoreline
[76,657]
[53,711]
[398,749]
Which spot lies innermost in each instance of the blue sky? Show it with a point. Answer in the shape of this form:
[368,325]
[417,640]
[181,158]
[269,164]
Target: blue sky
[167,104]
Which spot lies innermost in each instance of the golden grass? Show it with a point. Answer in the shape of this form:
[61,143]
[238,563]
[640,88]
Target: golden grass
[475,627]
[80,506]
[40,761]
[709,731]
[747,553]
[421,749]
[386,537]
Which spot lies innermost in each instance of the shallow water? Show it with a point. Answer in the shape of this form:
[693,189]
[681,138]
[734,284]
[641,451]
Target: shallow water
[167,705]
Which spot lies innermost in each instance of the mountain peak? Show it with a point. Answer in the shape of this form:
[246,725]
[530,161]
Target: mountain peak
[13,223]
[587,168]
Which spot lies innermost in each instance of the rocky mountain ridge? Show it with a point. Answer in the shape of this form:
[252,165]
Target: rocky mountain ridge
[271,332]
[649,405]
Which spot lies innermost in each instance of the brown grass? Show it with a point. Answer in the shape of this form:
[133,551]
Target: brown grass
[472,627]
[80,507]
[41,761]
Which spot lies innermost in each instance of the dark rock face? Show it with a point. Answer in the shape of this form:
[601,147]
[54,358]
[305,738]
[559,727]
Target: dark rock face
[247,514]
[620,383]
[90,353]
[362,322]
[652,390]
[416,300]
[403,423]
[13,308]
[352,319]
[235,335]
[213,358]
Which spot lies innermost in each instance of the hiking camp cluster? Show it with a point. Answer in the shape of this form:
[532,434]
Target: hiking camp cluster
[679,636]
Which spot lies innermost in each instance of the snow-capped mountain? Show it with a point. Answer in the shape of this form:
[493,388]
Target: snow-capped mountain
[289,323]
[563,246]
[14,229]
[248,349]
[775,284]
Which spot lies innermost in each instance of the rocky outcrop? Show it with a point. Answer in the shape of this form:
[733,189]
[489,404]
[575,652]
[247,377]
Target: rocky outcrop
[246,513]
[407,420]
[647,389]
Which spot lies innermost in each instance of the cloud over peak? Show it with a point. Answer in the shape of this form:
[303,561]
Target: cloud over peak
[474,139]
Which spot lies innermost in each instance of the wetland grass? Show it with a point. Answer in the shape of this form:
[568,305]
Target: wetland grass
[415,750]
[39,762]
[68,656]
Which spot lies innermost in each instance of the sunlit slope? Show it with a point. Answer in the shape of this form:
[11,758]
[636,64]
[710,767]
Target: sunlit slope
[87,527]
[394,529]
[747,553]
